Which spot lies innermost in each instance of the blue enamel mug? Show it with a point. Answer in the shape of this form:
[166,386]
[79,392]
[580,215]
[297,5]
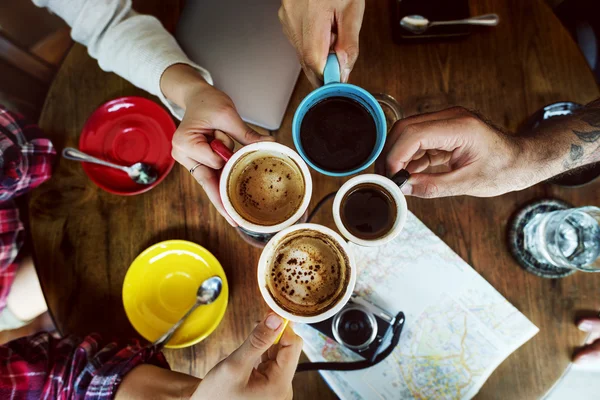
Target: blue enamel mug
[334,88]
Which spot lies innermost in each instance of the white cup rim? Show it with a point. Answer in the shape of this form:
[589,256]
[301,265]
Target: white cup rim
[265,146]
[266,256]
[392,188]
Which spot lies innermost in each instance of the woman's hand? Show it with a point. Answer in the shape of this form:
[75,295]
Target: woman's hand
[209,113]
[315,27]
[258,369]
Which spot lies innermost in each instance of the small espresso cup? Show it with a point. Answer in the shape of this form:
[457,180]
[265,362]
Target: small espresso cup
[235,162]
[334,88]
[390,189]
[299,264]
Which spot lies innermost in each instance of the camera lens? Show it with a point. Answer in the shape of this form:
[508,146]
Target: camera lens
[355,327]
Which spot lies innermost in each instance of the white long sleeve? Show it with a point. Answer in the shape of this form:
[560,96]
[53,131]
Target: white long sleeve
[135,47]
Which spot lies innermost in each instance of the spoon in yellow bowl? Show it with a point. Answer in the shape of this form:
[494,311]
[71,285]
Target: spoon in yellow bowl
[207,293]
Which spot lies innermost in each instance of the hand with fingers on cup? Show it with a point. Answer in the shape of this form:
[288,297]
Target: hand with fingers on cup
[209,114]
[476,158]
[259,368]
[472,157]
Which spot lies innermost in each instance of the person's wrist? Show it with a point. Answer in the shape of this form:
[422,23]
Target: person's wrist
[180,82]
[149,381]
[193,90]
[533,161]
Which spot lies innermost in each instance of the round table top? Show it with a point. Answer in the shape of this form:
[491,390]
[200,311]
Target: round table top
[85,239]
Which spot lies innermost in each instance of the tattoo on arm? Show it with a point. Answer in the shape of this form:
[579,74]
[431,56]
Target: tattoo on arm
[593,119]
[576,153]
[575,156]
[589,137]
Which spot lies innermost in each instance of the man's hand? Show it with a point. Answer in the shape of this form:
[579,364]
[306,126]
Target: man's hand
[476,158]
[315,27]
[209,114]
[258,369]
[589,353]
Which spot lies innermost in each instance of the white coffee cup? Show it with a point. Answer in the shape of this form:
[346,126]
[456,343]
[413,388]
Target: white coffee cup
[261,149]
[392,188]
[268,255]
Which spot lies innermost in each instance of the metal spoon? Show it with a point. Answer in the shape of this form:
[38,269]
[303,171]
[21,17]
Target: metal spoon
[208,292]
[419,24]
[140,173]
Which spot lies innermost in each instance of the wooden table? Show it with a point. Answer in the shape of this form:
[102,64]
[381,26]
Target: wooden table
[85,238]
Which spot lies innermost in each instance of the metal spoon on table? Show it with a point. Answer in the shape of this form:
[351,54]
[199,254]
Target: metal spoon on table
[207,293]
[140,173]
[418,24]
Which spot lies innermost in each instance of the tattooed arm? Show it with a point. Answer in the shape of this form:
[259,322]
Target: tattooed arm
[566,143]
[481,160]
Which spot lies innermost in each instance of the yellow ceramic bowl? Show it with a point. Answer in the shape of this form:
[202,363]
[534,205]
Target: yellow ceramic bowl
[161,285]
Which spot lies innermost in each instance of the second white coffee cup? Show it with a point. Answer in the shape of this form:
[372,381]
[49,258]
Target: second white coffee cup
[261,149]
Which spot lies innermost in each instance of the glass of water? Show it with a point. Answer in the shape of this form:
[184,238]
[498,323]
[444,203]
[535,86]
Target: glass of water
[567,239]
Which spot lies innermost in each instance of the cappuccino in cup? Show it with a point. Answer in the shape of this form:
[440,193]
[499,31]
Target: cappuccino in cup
[306,273]
[265,187]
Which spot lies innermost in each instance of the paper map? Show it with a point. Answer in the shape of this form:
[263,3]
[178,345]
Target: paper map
[458,328]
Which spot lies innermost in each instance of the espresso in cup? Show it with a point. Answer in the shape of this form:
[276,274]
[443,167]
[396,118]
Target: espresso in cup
[339,129]
[338,134]
[266,189]
[368,211]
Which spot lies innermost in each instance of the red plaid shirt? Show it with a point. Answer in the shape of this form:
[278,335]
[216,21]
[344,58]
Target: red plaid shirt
[42,367]
[25,162]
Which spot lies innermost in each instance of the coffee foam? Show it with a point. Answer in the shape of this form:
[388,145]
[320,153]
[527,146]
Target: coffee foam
[266,190]
[308,274]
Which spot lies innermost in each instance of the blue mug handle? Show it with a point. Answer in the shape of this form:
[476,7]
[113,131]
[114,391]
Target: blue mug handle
[331,74]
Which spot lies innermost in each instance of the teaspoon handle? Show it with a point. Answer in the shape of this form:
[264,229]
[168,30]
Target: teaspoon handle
[160,342]
[71,153]
[482,20]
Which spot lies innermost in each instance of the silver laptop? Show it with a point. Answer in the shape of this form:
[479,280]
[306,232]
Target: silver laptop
[243,46]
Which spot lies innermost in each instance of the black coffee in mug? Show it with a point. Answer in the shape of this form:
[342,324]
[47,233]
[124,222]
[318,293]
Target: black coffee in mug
[368,211]
[338,134]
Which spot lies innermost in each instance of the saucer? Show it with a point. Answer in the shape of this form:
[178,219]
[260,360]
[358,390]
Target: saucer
[161,285]
[125,131]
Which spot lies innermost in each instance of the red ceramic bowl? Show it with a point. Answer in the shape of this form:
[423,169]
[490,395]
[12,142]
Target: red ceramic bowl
[125,131]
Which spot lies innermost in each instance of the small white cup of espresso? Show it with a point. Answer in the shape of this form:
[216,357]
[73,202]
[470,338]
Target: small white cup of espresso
[370,210]
[242,185]
[298,278]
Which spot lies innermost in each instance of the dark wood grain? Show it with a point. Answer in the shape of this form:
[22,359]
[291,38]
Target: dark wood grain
[85,238]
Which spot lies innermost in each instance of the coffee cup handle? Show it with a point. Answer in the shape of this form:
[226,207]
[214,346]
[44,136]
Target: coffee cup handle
[285,324]
[401,177]
[331,74]
[222,150]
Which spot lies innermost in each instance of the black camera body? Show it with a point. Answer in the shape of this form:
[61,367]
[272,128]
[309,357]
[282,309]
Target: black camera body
[360,326]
